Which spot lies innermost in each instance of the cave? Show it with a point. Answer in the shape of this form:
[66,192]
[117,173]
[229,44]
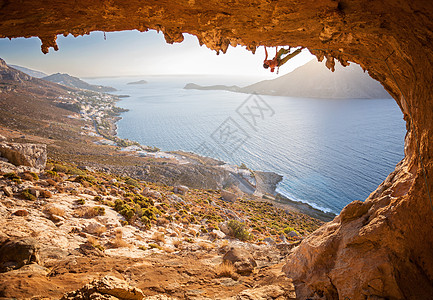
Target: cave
[376,249]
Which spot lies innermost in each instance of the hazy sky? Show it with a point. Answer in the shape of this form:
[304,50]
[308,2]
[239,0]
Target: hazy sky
[136,53]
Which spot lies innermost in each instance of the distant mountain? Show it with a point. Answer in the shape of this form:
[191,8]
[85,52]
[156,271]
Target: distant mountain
[193,86]
[75,82]
[314,80]
[11,75]
[138,82]
[33,73]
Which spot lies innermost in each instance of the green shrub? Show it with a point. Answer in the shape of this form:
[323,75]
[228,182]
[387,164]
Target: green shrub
[85,178]
[238,230]
[81,201]
[12,176]
[60,168]
[289,229]
[34,175]
[51,174]
[133,182]
[28,195]
[99,210]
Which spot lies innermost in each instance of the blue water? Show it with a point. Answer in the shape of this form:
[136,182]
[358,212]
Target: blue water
[330,152]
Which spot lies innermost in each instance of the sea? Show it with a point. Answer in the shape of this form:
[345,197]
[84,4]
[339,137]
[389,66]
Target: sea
[329,152]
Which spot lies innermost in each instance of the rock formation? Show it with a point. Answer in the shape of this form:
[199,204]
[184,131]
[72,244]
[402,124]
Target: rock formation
[30,155]
[377,249]
[106,286]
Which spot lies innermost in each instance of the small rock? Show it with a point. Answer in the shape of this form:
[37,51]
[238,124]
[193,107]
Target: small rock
[293,233]
[8,191]
[56,219]
[229,196]
[180,189]
[21,213]
[35,192]
[269,240]
[94,227]
[219,234]
[90,192]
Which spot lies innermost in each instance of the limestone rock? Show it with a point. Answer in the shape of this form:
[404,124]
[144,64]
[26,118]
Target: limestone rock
[242,260]
[264,293]
[8,191]
[229,196]
[108,287]
[31,155]
[16,253]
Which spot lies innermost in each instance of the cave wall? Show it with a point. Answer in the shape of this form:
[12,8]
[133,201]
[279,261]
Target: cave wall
[380,248]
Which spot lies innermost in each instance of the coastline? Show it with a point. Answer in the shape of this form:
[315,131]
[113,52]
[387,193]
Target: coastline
[265,185]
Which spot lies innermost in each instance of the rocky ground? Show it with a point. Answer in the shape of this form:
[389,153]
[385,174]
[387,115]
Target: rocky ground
[78,234]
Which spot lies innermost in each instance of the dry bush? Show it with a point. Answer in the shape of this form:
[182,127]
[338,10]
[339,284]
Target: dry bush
[54,210]
[162,222]
[118,241]
[159,237]
[90,212]
[94,242]
[100,230]
[206,246]
[226,269]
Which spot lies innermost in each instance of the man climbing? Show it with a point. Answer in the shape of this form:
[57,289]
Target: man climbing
[277,61]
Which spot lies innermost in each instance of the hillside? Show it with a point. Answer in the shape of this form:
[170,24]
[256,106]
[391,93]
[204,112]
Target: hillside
[314,80]
[33,73]
[76,82]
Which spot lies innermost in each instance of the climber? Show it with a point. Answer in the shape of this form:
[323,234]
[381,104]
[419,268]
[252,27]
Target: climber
[277,61]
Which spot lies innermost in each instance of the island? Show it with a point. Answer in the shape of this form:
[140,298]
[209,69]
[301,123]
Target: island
[138,82]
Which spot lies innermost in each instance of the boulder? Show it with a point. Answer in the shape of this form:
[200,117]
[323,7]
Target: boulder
[15,253]
[30,155]
[104,288]
[241,259]
[228,196]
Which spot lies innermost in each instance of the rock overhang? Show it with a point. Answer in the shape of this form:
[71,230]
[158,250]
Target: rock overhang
[392,40]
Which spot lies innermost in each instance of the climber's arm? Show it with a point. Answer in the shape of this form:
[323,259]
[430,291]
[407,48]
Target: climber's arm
[289,56]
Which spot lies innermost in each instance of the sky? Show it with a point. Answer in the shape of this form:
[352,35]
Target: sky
[130,53]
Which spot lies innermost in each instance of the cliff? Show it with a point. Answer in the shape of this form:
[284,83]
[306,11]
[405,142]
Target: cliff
[380,248]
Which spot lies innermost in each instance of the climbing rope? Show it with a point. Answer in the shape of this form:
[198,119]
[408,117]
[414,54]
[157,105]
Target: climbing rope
[409,113]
